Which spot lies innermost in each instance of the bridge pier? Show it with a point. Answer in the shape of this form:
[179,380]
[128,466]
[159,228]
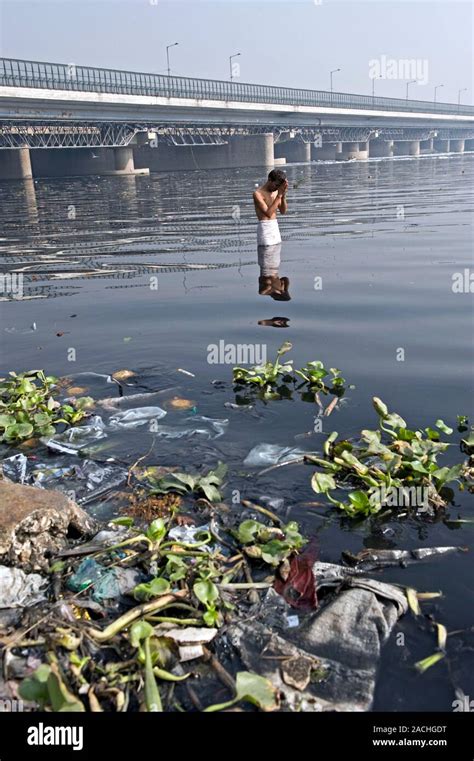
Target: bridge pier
[15,164]
[239,151]
[441,146]
[293,151]
[457,146]
[327,152]
[406,148]
[379,148]
[124,162]
[426,146]
[349,151]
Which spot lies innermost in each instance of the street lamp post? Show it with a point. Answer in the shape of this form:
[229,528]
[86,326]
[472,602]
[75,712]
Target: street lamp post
[168,55]
[436,88]
[373,85]
[411,82]
[230,64]
[459,96]
[330,75]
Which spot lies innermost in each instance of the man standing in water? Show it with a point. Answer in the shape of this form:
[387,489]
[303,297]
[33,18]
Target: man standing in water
[268,198]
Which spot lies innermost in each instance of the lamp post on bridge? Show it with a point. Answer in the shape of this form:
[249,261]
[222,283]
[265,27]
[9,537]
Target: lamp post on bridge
[173,44]
[230,64]
[373,86]
[330,76]
[459,97]
[436,88]
[411,82]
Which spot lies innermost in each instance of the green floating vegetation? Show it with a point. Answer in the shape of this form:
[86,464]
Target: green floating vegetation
[272,545]
[185,483]
[28,407]
[251,688]
[189,579]
[47,688]
[392,466]
[277,380]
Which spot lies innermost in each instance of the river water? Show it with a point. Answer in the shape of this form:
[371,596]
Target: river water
[149,273]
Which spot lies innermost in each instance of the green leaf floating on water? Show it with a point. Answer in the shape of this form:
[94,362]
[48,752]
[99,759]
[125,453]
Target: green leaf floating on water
[47,688]
[156,530]
[206,592]
[18,431]
[257,690]
[140,633]
[29,409]
[284,348]
[247,531]
[380,408]
[443,427]
[321,483]
[251,688]
[150,589]
[359,500]
[186,483]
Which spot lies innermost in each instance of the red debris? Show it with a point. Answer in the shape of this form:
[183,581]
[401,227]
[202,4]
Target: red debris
[299,589]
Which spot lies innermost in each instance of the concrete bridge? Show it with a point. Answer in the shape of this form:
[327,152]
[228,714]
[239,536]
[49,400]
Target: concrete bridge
[63,119]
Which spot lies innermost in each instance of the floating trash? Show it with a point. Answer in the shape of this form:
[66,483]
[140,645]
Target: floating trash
[136,417]
[74,439]
[272,454]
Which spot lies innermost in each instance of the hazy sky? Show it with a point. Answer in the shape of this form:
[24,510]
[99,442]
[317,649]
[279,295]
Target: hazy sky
[282,42]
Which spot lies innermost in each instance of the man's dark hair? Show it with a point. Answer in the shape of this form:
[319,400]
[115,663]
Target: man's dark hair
[277,175]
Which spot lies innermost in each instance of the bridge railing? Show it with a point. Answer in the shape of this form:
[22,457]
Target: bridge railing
[58,76]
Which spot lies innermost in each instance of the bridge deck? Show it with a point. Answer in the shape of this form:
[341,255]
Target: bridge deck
[18,73]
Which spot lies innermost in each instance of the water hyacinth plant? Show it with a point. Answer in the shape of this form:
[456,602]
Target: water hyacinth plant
[273,379]
[271,544]
[269,377]
[28,407]
[391,466]
[186,483]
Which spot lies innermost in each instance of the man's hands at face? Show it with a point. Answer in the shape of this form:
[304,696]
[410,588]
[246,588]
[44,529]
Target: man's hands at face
[283,188]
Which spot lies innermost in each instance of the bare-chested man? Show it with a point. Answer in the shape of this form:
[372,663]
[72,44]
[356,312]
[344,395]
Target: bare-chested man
[268,199]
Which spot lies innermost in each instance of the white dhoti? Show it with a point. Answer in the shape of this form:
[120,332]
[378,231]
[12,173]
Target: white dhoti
[268,232]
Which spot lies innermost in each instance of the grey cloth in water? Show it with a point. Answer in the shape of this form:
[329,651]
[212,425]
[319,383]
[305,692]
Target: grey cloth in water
[332,658]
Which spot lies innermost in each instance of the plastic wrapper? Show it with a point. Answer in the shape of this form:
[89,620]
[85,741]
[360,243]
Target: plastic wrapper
[72,440]
[136,417]
[272,454]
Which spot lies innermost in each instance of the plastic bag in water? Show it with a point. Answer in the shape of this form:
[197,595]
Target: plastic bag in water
[83,480]
[136,417]
[105,583]
[190,535]
[213,428]
[18,588]
[271,454]
[74,439]
[15,468]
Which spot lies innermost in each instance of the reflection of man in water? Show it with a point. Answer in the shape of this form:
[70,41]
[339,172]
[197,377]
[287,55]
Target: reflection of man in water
[268,199]
[270,283]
